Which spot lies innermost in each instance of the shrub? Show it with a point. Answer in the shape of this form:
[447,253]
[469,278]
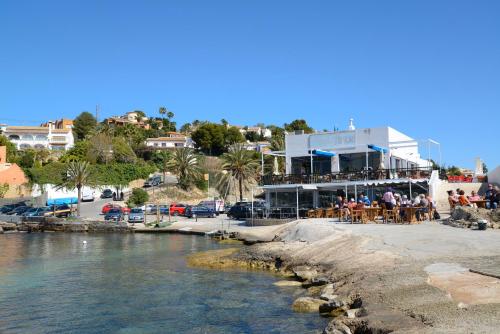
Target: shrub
[138,197]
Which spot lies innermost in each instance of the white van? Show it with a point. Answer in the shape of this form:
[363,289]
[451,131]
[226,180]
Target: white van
[88,195]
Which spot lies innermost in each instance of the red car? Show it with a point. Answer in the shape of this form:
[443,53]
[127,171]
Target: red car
[177,209]
[109,206]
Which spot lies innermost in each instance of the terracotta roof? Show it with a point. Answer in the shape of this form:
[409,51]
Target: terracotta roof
[32,129]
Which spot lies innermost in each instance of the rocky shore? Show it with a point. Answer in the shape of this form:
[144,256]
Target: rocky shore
[380,278]
[64,226]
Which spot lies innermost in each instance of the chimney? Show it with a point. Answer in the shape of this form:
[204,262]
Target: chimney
[351,124]
[3,155]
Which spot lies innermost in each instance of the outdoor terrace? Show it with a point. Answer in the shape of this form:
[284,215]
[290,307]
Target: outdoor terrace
[379,174]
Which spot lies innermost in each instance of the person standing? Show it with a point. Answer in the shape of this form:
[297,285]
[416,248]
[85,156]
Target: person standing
[389,199]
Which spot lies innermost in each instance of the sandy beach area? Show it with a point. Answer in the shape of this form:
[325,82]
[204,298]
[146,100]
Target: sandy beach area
[422,278]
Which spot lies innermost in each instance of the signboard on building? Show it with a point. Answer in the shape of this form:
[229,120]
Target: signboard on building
[344,139]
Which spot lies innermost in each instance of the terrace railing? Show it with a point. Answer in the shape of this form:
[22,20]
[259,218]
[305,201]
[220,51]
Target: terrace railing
[359,175]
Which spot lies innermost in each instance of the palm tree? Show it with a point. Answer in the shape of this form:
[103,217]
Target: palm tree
[77,175]
[241,167]
[184,164]
[162,111]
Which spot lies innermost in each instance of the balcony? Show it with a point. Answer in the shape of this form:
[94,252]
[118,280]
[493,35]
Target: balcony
[380,174]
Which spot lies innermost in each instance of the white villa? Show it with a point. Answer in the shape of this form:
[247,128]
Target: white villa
[171,141]
[56,135]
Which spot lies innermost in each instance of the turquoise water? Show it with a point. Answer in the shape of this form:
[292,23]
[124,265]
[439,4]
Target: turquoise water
[134,283]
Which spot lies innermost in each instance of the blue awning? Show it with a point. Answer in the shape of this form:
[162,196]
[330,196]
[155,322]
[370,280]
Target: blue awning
[378,148]
[323,153]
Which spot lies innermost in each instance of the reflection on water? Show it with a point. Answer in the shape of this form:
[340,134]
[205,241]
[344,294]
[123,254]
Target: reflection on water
[127,283]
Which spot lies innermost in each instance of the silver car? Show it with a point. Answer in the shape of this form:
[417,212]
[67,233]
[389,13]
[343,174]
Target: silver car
[136,215]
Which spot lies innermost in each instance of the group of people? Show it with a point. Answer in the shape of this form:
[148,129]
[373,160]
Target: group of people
[347,207]
[458,197]
[423,202]
[390,201]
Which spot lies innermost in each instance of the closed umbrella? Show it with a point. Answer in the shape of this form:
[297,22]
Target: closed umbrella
[276,166]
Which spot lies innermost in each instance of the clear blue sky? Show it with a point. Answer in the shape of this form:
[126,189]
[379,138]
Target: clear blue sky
[427,68]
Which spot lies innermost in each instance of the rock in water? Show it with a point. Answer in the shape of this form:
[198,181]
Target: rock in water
[307,304]
[287,283]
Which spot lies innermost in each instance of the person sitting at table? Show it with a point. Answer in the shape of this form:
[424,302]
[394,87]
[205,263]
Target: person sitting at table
[389,199]
[423,207]
[404,203]
[452,199]
[416,199]
[365,199]
[360,205]
[462,199]
[474,196]
[397,197]
[491,197]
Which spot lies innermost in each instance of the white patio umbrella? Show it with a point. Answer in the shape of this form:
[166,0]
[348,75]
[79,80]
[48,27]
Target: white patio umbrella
[276,166]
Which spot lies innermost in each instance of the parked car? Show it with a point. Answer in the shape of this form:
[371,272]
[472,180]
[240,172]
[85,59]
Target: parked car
[9,207]
[60,210]
[242,210]
[114,214]
[216,205]
[37,212]
[107,193]
[153,181]
[107,207]
[163,209]
[136,216]
[18,211]
[177,209]
[199,211]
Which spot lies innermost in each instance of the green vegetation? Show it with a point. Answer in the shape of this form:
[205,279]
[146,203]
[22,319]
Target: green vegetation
[215,139]
[83,125]
[11,149]
[298,124]
[4,188]
[138,197]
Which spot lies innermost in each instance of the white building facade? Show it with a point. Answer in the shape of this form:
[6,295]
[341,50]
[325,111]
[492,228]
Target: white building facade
[171,141]
[321,166]
[38,137]
[351,150]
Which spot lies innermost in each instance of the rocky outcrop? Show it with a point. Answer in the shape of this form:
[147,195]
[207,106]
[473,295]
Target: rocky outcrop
[307,304]
[468,217]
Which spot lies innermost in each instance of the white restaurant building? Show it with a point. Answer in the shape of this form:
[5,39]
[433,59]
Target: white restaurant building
[348,162]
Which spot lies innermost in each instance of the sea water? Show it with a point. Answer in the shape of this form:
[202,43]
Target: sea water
[135,283]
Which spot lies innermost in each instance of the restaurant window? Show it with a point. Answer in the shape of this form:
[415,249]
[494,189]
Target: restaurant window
[357,161]
[288,199]
[302,165]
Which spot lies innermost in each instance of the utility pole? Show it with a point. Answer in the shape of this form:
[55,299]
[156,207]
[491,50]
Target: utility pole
[97,108]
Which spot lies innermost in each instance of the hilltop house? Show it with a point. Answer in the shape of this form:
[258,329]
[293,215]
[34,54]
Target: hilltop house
[53,135]
[133,117]
[170,141]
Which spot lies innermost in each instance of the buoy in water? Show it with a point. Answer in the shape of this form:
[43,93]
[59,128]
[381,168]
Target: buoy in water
[84,241]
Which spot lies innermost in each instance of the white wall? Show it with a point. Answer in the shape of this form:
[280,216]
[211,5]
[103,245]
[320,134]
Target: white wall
[494,176]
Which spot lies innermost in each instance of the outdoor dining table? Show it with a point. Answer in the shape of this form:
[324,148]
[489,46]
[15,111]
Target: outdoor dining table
[481,203]
[410,214]
[372,213]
